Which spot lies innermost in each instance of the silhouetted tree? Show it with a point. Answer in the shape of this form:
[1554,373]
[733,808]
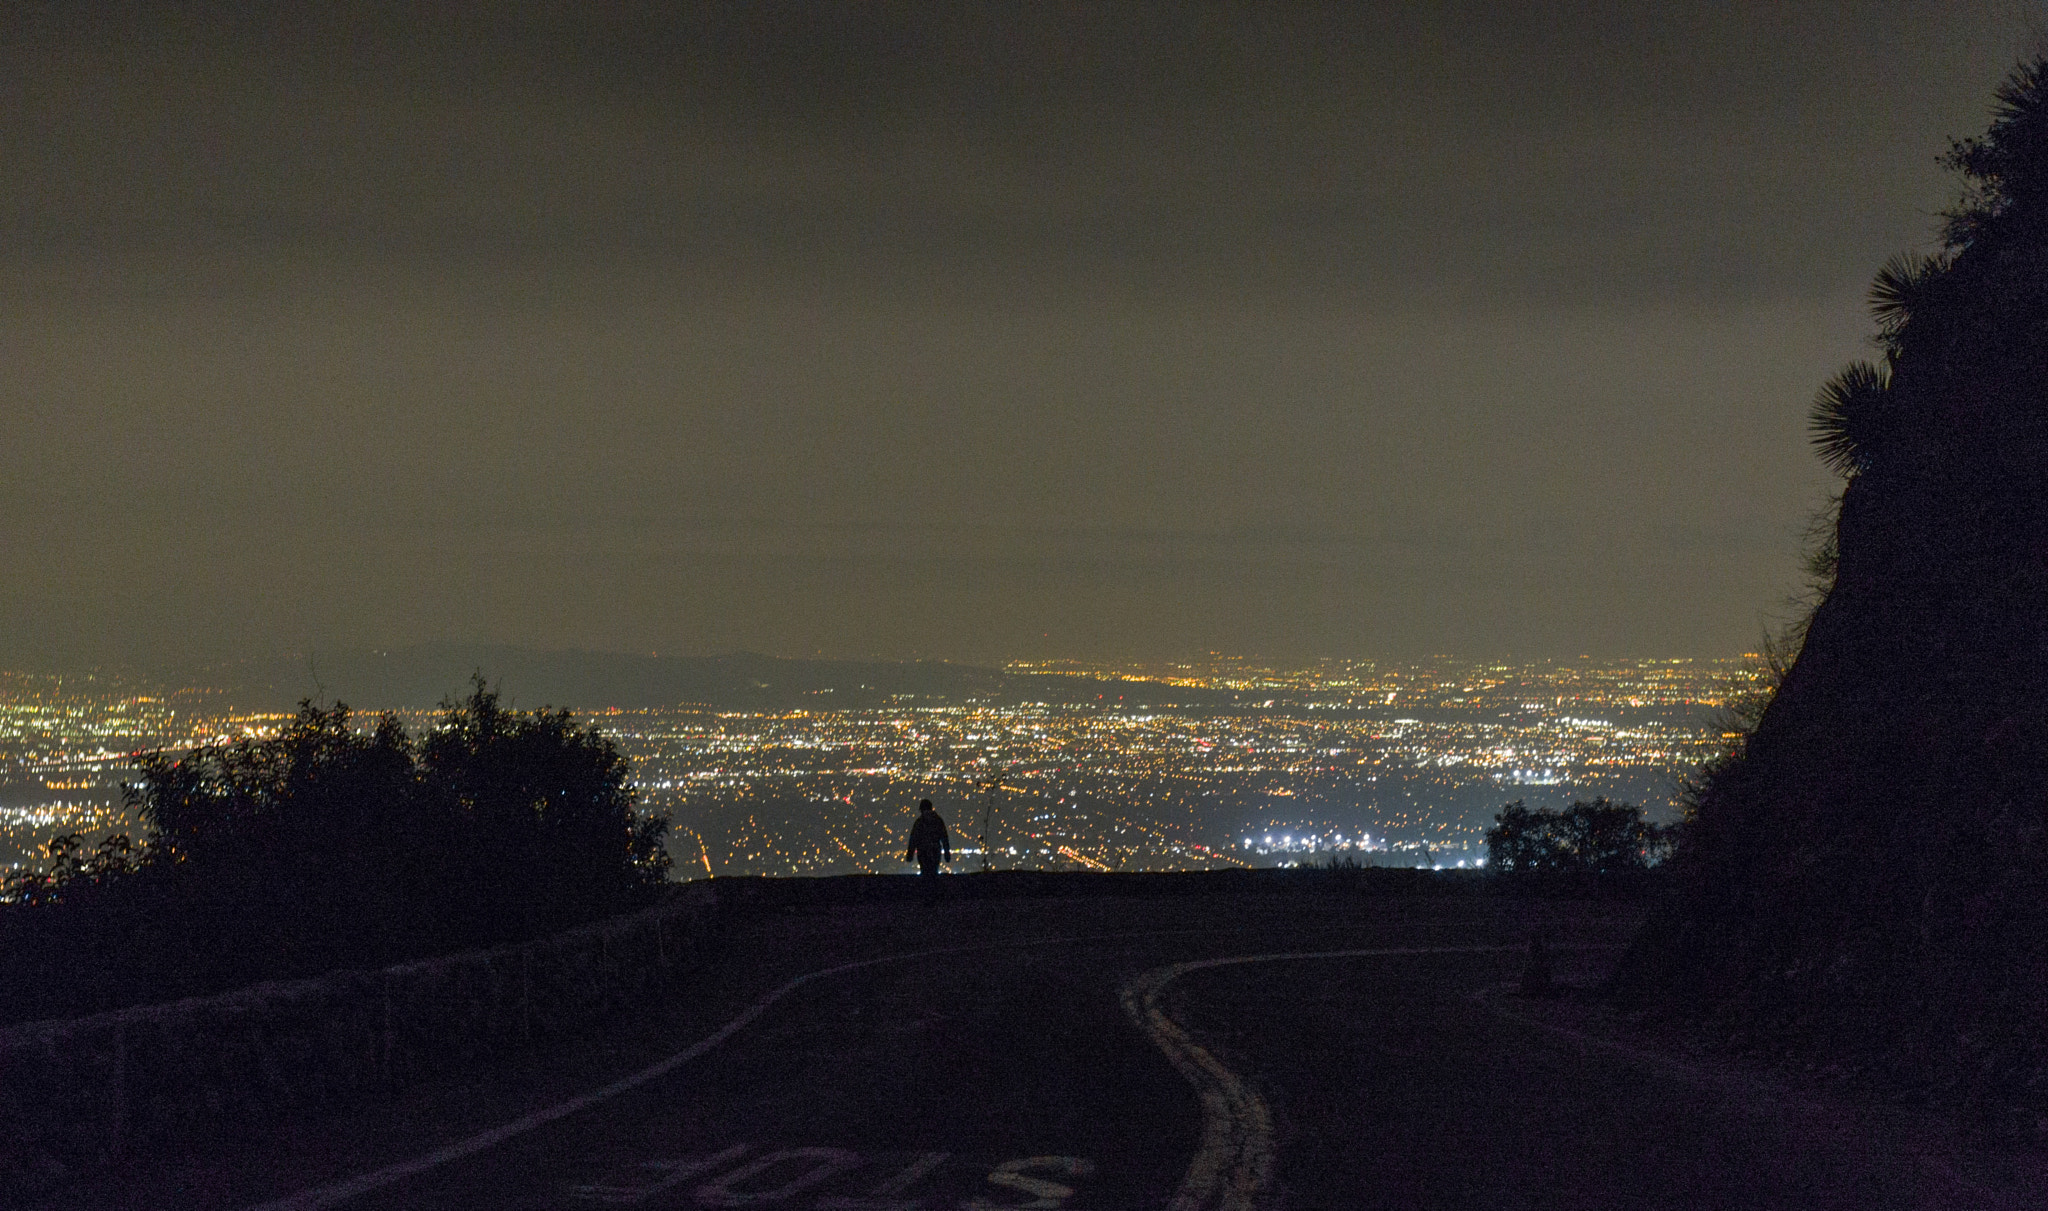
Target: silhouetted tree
[557,835]
[1596,838]
[71,869]
[314,847]
[329,845]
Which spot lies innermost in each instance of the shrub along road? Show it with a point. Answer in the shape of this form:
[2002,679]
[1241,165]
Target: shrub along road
[1083,1052]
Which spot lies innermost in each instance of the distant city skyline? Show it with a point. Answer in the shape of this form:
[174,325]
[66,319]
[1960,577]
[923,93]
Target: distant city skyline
[1097,767]
[417,676]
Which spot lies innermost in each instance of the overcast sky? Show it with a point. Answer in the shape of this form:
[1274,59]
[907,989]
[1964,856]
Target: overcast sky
[1090,330]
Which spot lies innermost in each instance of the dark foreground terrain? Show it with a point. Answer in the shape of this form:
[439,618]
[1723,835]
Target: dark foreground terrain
[1090,1052]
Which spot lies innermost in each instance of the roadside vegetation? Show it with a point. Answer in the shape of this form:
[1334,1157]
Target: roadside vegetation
[1596,839]
[331,846]
[1862,880]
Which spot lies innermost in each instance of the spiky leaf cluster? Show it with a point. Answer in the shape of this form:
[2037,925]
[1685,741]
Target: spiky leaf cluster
[1858,414]
[1849,417]
[1969,323]
[1908,284]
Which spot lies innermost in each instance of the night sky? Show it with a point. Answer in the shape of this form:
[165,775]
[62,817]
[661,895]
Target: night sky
[1086,330]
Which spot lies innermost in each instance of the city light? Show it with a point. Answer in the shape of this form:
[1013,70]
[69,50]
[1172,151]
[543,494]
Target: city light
[1394,764]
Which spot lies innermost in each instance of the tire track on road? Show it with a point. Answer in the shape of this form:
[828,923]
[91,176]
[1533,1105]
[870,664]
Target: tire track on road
[1233,1165]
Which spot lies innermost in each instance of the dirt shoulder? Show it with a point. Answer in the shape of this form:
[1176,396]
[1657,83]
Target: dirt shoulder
[1811,1101]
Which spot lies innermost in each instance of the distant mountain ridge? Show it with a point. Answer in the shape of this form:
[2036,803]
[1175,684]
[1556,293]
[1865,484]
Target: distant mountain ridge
[424,675]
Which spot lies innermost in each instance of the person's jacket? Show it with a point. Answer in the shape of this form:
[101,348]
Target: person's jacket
[928,836]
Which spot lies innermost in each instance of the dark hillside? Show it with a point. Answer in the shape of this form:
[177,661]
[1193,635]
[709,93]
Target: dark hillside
[1868,878]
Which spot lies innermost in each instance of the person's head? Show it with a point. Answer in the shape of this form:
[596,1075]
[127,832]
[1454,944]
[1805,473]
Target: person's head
[924,805]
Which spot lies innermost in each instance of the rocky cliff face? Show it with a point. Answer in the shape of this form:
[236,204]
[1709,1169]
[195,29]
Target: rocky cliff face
[1870,877]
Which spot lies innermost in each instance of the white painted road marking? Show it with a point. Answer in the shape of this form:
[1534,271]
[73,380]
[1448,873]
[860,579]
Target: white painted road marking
[825,1164]
[658,1176]
[886,1197]
[1047,1195]
[336,1193]
[1233,1166]
[638,1183]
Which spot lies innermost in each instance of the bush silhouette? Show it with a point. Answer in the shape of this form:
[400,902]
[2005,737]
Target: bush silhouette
[1596,838]
[553,834]
[327,846]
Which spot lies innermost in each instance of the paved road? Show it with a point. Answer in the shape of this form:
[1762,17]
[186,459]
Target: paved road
[1084,1054]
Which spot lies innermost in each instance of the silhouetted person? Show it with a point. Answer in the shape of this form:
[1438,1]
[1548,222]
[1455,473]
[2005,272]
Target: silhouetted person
[929,844]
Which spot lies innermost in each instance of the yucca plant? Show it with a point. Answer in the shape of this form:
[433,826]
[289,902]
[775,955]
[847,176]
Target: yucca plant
[1904,285]
[1851,416]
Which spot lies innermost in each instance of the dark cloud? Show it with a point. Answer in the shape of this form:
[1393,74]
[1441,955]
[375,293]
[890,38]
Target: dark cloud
[878,329]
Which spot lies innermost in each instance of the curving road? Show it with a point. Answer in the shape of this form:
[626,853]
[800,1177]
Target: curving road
[1233,1053]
